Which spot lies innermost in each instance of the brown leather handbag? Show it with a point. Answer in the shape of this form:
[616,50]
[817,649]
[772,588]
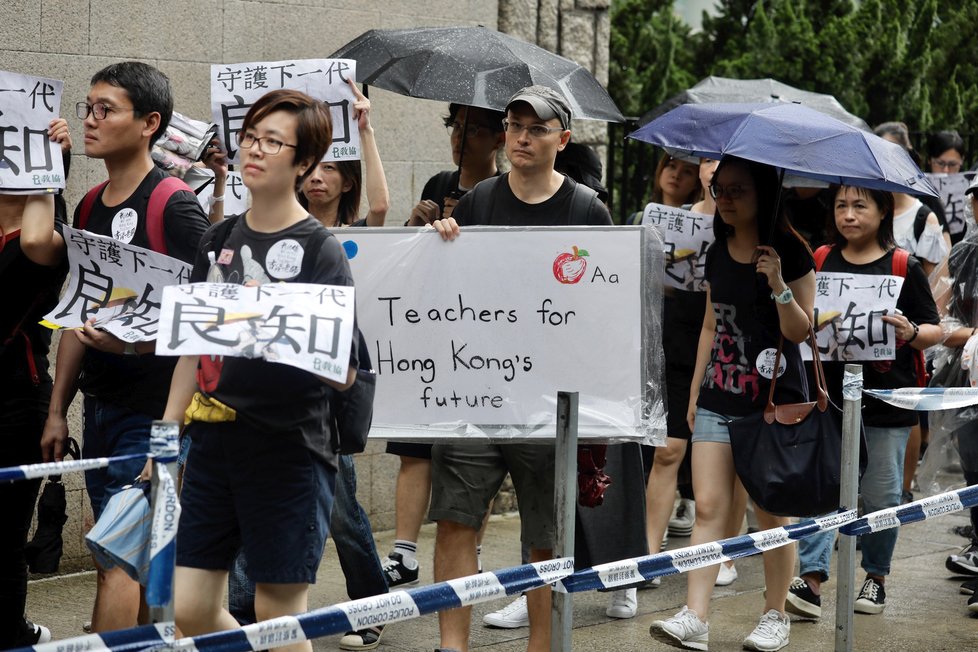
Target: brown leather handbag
[789,457]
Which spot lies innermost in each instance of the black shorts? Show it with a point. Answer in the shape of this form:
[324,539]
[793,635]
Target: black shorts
[409,449]
[265,492]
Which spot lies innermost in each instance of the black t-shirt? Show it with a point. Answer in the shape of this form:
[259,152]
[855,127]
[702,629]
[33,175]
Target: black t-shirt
[747,326]
[505,209]
[439,186]
[140,383]
[268,395]
[30,291]
[918,306]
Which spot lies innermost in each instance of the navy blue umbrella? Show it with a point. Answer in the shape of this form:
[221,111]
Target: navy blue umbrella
[792,137]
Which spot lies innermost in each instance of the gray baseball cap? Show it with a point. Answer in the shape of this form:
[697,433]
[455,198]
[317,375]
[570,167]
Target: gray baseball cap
[545,102]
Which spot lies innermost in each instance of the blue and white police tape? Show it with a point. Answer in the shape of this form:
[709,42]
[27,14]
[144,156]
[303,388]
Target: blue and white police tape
[30,471]
[163,540]
[357,614]
[681,560]
[927,399]
[136,639]
[919,510]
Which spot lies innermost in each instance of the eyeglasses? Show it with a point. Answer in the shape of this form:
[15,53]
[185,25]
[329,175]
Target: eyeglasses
[536,131]
[471,130]
[266,144]
[735,191]
[946,165]
[99,110]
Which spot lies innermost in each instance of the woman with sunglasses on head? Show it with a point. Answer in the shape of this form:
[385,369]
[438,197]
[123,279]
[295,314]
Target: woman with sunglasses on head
[761,288]
[861,237]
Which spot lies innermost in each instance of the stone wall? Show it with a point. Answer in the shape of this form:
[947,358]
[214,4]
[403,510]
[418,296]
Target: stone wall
[72,39]
[577,29]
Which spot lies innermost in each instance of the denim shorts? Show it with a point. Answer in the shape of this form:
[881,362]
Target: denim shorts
[711,427]
[109,431]
[263,491]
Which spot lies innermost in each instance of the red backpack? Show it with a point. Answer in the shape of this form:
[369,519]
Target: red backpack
[898,268]
[154,210]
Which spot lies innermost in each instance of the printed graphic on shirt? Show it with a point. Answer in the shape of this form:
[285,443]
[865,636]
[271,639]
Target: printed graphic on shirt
[124,225]
[730,370]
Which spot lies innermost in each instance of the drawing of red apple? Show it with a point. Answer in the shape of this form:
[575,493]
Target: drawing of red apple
[570,267]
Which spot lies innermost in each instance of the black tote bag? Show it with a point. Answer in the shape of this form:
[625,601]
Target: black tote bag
[789,457]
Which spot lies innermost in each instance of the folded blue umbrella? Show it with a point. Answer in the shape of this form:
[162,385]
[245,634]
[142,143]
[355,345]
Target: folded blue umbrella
[121,536]
[792,137]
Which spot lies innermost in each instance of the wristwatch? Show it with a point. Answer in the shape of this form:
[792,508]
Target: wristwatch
[130,349]
[784,297]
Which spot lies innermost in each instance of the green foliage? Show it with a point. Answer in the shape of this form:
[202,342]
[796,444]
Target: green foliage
[909,60]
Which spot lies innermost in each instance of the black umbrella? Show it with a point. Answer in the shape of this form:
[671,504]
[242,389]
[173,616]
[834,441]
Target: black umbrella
[475,66]
[723,90]
[45,549]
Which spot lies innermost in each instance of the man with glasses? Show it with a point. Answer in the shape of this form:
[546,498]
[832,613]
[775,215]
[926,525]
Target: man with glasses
[465,477]
[125,385]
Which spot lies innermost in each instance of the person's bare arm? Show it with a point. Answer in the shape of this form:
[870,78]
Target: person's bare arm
[67,370]
[183,385]
[375,181]
[39,240]
[703,349]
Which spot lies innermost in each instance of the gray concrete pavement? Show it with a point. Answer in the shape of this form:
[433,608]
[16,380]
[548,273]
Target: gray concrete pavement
[925,610]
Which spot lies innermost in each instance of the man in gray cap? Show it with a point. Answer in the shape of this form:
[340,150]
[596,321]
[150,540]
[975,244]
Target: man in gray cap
[466,477]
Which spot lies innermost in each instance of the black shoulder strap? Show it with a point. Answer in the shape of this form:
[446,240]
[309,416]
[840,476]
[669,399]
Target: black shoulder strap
[920,221]
[313,246]
[581,202]
[221,233]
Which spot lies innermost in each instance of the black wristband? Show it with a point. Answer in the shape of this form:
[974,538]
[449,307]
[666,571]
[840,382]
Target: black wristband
[916,332]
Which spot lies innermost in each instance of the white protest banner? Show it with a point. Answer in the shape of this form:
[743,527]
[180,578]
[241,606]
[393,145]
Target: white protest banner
[849,310]
[236,86]
[475,337]
[685,236]
[302,325]
[236,199]
[952,187]
[118,284]
[29,162]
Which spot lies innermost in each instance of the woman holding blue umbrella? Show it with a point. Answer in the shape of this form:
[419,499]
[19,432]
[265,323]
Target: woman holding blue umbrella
[761,287]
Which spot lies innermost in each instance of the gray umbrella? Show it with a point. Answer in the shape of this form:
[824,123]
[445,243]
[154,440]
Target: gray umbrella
[475,66]
[723,90]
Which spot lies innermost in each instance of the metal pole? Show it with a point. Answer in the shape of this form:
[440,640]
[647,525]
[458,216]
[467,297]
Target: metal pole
[164,442]
[565,511]
[852,395]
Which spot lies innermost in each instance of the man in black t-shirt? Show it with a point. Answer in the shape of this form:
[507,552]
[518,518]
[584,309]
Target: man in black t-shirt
[125,385]
[531,194]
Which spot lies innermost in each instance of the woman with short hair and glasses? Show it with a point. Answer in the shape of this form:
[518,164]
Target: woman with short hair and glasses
[761,288]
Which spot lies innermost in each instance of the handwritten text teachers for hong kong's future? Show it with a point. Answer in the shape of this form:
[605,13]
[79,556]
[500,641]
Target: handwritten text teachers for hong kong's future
[487,329]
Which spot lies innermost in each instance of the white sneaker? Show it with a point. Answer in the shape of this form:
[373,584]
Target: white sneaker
[623,604]
[684,630]
[681,523]
[512,616]
[727,575]
[770,634]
